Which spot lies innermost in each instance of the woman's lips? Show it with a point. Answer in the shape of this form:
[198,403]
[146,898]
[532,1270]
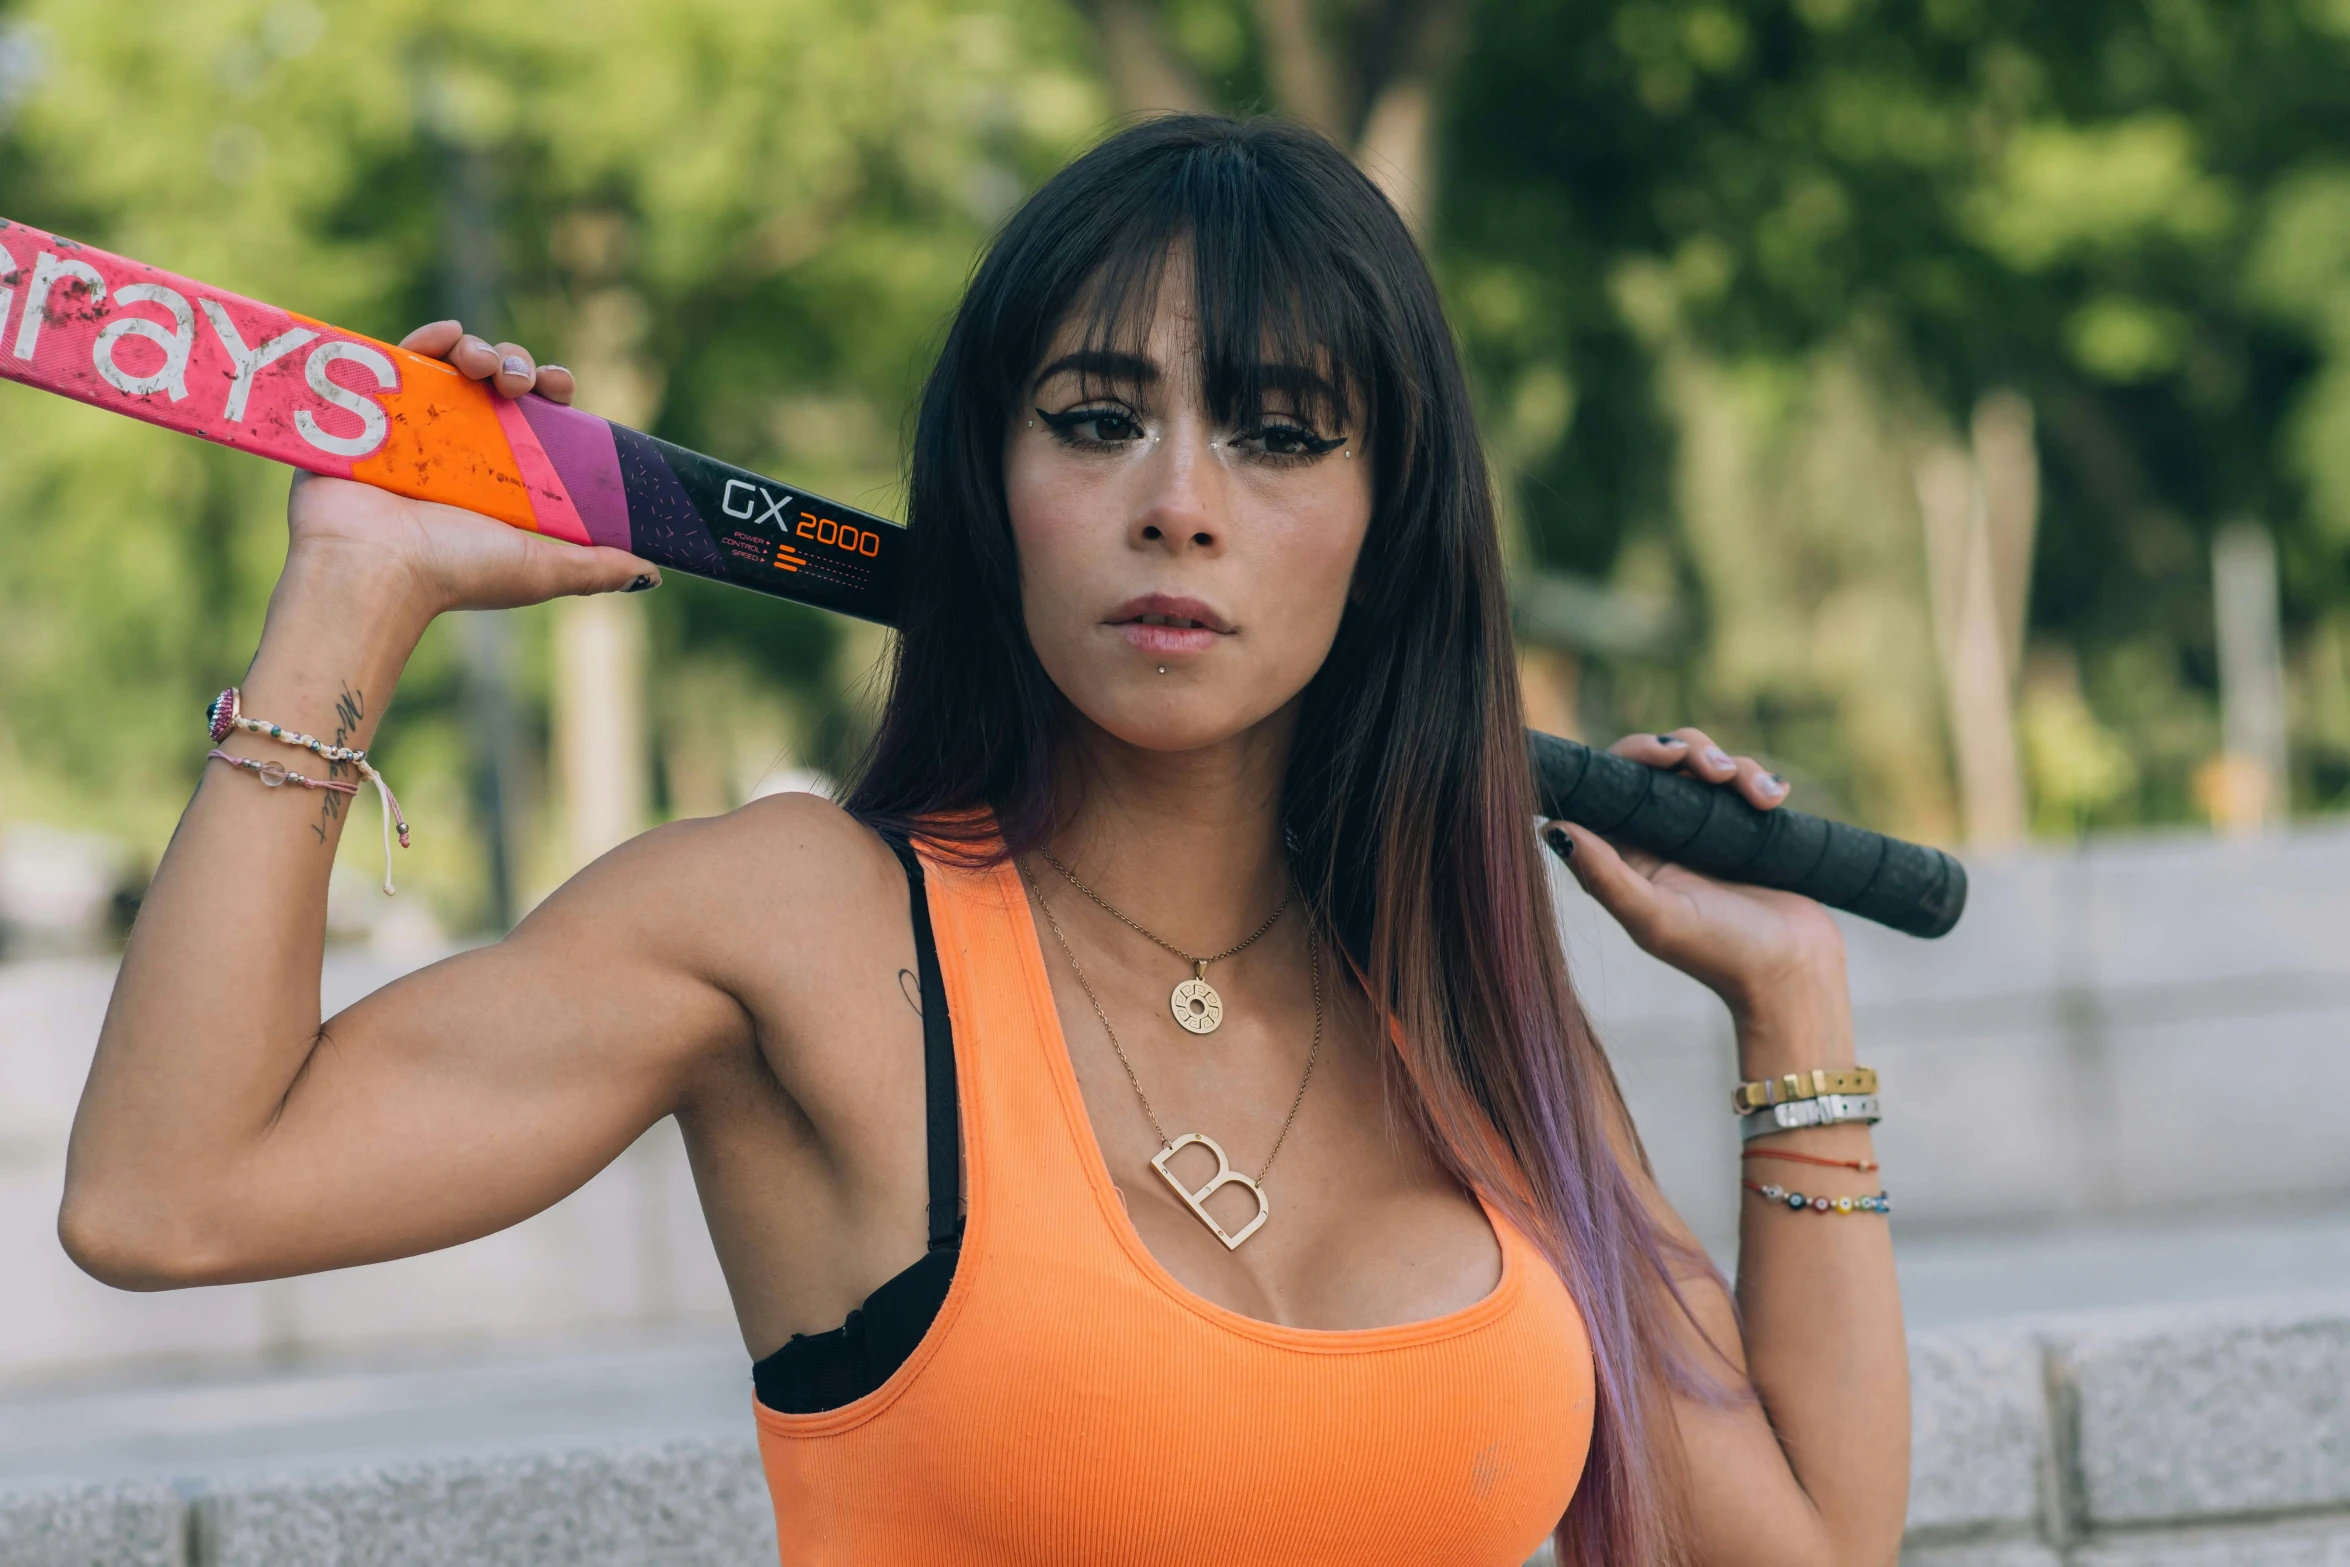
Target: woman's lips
[1160,624]
[1149,637]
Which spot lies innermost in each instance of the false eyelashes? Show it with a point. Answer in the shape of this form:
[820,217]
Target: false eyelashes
[1283,439]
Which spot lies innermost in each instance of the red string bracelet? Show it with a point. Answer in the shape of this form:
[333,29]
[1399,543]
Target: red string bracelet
[1805,1158]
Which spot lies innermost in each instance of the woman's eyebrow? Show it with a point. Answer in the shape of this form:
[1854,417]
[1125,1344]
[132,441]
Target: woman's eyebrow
[1095,364]
[1296,378]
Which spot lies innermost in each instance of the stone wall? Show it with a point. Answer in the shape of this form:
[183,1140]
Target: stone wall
[627,1251]
[2140,1030]
[2150,1441]
[2191,1441]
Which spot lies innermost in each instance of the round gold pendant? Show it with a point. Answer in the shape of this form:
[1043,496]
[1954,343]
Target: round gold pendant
[1197,1006]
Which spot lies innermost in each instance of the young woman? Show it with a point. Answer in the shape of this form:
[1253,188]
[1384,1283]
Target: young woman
[1149,1121]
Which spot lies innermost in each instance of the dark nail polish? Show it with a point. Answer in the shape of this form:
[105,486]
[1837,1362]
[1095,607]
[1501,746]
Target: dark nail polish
[1560,844]
[640,584]
[1669,740]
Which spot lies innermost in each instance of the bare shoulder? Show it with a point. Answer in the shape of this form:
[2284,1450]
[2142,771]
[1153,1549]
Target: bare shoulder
[697,888]
[814,896]
[801,859]
[772,906]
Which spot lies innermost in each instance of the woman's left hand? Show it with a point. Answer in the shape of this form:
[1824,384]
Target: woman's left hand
[1745,943]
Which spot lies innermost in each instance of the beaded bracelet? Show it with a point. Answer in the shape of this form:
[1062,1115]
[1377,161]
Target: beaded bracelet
[275,774]
[225,712]
[1880,1203]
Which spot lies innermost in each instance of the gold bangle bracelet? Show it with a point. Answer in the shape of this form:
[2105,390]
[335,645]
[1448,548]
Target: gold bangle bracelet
[1766,1092]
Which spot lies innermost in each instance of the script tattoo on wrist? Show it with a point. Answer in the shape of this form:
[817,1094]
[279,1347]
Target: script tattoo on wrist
[350,708]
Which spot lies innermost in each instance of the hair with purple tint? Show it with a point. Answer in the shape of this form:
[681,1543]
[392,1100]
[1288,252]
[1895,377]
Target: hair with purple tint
[1408,803]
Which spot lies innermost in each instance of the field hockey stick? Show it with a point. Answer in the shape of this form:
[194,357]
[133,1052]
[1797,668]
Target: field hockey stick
[123,336]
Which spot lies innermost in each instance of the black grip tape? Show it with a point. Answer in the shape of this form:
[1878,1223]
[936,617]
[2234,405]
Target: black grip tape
[1907,886]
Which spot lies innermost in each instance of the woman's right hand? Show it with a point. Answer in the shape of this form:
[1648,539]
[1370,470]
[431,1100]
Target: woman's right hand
[430,558]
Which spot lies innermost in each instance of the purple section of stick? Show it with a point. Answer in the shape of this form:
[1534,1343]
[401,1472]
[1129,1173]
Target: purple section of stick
[580,446]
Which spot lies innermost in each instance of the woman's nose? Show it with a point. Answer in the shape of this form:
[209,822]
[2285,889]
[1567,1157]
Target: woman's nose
[1182,505]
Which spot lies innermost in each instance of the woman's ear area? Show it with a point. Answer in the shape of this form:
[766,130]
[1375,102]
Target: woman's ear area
[1357,454]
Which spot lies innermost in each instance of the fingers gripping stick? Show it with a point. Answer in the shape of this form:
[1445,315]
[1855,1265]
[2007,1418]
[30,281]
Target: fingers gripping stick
[1905,885]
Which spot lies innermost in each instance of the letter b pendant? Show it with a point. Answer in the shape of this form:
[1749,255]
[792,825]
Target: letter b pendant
[1225,1176]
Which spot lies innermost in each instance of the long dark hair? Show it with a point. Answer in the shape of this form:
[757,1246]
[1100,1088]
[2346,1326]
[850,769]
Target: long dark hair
[1408,802]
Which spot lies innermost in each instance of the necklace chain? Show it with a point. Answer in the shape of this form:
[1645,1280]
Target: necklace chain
[1198,964]
[1313,1055]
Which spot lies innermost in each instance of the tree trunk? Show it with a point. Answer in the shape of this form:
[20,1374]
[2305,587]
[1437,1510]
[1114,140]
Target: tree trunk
[1305,77]
[1977,681]
[1146,75]
[1397,85]
[2247,791]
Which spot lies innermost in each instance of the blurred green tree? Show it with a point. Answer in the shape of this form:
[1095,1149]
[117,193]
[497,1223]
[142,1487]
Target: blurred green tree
[748,218]
[1700,215]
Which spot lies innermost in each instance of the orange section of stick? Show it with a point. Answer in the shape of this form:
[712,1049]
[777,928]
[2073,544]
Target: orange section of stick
[445,443]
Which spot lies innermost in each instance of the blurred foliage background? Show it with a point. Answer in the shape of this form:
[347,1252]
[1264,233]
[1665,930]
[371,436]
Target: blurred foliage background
[1785,317]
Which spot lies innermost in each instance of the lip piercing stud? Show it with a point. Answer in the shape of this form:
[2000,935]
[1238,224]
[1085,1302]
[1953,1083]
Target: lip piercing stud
[1162,669]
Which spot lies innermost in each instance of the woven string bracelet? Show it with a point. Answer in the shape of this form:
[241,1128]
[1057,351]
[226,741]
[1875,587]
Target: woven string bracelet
[226,714]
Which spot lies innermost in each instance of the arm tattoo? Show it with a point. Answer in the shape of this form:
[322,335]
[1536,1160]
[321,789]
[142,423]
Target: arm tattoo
[911,988]
[350,708]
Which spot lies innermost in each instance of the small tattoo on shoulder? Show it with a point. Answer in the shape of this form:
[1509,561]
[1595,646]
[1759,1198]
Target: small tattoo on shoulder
[912,989]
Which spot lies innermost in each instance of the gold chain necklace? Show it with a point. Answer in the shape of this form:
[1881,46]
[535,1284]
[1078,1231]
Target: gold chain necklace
[1196,1198]
[1196,1004]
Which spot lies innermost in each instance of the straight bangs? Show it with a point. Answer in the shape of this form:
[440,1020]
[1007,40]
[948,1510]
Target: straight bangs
[1270,328]
[1409,804]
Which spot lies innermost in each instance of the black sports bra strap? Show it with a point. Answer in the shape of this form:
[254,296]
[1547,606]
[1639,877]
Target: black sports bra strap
[941,1111]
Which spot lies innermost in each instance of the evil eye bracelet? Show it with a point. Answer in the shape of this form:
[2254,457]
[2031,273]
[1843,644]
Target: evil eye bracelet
[1774,1193]
[225,713]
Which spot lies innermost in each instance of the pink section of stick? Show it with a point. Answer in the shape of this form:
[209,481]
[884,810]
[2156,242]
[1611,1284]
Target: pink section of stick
[550,501]
[71,315]
[584,454]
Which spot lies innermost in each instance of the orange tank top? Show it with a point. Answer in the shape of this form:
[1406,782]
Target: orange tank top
[1073,1403]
